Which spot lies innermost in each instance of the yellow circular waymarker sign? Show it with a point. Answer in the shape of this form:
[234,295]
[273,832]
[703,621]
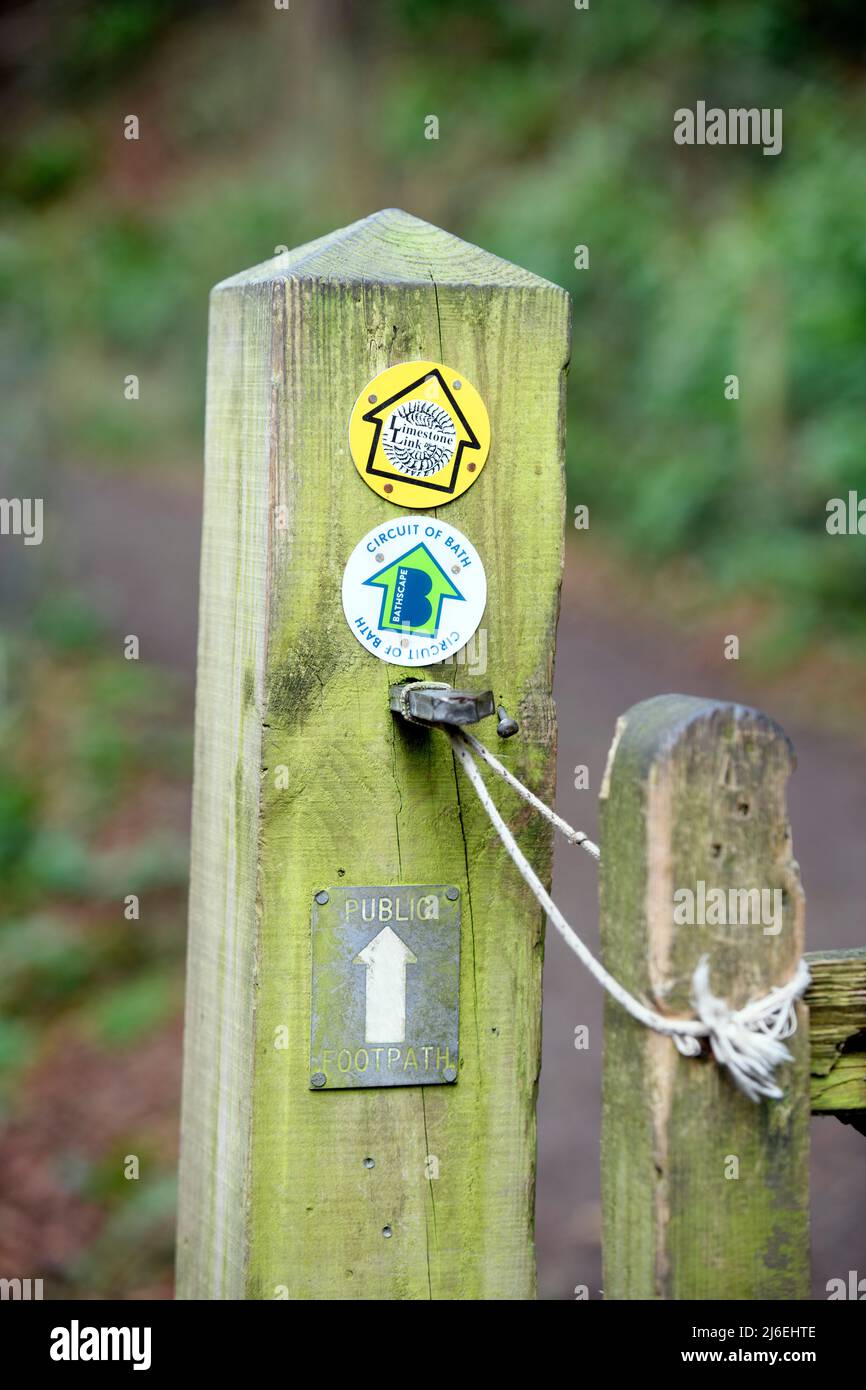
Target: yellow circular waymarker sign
[419,434]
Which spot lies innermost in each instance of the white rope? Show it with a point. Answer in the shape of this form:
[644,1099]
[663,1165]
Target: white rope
[748,1041]
[575,837]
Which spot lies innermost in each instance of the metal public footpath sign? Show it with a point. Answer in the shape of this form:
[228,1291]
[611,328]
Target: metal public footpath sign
[386,973]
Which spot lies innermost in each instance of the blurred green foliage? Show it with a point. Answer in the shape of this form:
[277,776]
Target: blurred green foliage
[81,734]
[89,755]
[135,1245]
[264,128]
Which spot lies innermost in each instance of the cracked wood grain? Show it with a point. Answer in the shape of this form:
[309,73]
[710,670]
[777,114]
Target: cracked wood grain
[704,1194]
[837,1031]
[275,1197]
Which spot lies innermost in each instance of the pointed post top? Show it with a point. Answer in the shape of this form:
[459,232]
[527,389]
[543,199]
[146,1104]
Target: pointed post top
[392,246]
[289,701]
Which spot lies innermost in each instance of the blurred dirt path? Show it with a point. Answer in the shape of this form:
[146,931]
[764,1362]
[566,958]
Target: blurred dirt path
[133,546]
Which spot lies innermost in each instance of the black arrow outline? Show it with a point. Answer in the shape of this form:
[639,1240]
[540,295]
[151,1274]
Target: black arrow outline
[372,418]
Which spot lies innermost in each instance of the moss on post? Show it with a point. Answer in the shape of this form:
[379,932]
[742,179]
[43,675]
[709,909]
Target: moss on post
[837,1032]
[704,1194]
[276,1197]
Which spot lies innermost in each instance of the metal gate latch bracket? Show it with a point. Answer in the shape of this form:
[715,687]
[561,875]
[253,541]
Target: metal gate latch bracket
[436,702]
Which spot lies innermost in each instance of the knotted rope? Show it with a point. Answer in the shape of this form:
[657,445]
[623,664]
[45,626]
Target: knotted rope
[748,1041]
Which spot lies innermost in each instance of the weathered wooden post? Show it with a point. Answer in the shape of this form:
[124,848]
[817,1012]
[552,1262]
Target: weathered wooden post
[328,1186]
[837,1034]
[704,1193]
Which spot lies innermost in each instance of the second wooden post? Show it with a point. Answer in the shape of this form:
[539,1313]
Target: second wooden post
[704,1192]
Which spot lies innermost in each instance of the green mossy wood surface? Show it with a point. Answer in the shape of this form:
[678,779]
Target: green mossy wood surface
[276,1199]
[837,1030]
[694,790]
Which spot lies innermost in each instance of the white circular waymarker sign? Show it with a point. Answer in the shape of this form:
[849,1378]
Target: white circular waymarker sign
[414,591]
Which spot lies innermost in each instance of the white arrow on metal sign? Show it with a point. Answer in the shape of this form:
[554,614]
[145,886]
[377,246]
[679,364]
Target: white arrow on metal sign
[385,985]
[385,959]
